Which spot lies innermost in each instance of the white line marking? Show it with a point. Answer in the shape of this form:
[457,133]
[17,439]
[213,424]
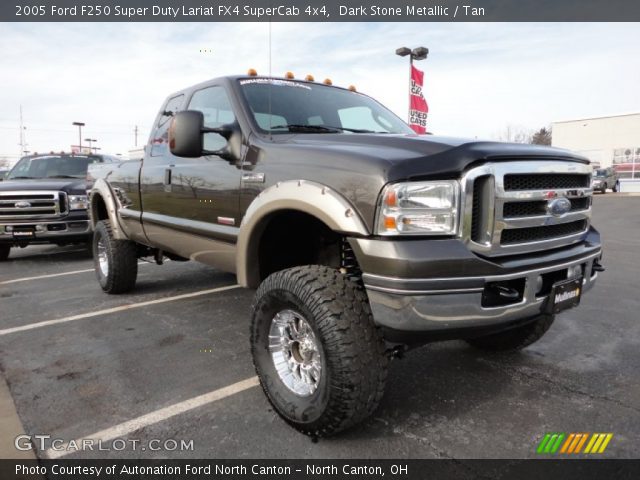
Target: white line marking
[152,418]
[32,326]
[28,279]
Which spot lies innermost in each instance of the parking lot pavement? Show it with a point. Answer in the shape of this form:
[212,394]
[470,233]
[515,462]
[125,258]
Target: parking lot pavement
[171,362]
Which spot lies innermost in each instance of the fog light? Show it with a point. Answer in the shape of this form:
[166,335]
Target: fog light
[8,228]
[539,283]
[40,228]
[574,272]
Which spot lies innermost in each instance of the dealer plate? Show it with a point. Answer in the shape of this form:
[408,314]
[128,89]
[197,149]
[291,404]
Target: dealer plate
[564,295]
[23,233]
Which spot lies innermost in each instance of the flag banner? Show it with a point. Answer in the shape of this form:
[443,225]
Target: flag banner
[418,108]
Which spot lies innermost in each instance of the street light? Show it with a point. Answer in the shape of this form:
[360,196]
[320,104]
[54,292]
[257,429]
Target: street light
[90,140]
[418,53]
[79,125]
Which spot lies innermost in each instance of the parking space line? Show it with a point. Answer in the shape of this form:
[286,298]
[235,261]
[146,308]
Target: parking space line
[152,418]
[32,326]
[28,279]
[74,272]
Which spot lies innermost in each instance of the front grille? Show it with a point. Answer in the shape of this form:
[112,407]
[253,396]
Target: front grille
[545,181]
[506,206]
[28,205]
[536,234]
[532,209]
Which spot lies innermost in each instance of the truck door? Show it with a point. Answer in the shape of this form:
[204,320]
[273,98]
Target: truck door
[198,216]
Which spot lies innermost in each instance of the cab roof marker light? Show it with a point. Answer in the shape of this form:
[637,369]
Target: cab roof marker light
[309,78]
[252,72]
[352,88]
[289,76]
[327,81]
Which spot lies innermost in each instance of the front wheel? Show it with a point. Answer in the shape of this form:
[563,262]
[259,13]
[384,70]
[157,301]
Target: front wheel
[320,359]
[515,338]
[115,261]
[604,189]
[615,187]
[4,252]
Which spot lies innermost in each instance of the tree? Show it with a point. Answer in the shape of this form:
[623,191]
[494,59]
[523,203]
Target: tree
[514,134]
[542,136]
[4,163]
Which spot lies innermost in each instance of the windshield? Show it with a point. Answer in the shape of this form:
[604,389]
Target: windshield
[600,173]
[284,106]
[51,166]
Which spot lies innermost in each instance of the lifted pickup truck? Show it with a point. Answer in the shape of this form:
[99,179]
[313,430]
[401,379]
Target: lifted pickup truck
[362,238]
[44,200]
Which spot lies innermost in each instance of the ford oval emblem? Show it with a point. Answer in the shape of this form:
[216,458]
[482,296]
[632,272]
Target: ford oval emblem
[22,204]
[559,206]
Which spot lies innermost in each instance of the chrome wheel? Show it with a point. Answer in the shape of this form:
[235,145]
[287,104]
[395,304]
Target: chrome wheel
[295,352]
[103,260]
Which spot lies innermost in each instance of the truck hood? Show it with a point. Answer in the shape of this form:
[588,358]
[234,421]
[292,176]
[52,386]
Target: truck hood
[71,186]
[414,156]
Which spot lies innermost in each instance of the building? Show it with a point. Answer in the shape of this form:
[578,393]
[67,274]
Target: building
[606,141]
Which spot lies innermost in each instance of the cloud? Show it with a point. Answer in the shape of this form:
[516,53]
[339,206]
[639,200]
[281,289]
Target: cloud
[479,77]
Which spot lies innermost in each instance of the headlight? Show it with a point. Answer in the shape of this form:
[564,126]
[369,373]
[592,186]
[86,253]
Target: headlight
[78,202]
[419,208]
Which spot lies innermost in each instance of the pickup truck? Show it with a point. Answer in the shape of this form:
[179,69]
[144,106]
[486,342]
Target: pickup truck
[43,199]
[362,238]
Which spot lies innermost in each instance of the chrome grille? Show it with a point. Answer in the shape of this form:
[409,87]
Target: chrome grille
[506,206]
[21,205]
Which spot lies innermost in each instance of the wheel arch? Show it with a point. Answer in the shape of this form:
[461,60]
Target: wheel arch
[103,205]
[315,200]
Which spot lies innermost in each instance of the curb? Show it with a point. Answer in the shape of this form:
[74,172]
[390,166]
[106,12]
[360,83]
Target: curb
[10,426]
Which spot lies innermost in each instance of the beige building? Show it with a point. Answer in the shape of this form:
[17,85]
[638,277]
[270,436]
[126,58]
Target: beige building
[606,141]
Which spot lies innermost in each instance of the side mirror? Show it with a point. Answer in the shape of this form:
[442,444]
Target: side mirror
[186,135]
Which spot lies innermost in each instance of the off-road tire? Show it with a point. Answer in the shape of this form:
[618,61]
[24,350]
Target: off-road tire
[515,338]
[603,190]
[614,189]
[122,259]
[4,252]
[354,361]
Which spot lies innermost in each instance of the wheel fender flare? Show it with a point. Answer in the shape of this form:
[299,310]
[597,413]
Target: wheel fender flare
[320,201]
[102,189]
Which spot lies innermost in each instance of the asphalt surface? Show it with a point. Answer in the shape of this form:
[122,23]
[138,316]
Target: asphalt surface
[81,378]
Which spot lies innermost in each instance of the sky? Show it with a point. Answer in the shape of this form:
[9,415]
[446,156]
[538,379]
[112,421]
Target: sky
[479,77]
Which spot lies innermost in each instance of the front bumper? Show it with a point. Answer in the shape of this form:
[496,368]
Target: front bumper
[444,288]
[74,227]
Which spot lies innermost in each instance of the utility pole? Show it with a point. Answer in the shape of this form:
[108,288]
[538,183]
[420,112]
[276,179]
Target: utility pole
[135,134]
[23,139]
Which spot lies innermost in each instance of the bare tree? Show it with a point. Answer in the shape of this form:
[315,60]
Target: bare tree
[542,136]
[5,163]
[514,134]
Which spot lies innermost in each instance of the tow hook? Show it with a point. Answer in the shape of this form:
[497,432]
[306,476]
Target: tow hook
[597,267]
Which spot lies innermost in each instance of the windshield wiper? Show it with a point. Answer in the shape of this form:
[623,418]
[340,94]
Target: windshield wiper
[21,177]
[352,130]
[294,127]
[64,176]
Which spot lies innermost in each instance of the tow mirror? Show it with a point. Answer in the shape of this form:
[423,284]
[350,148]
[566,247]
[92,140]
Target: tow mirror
[186,135]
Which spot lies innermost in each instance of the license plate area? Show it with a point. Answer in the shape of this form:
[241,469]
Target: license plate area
[564,295]
[23,232]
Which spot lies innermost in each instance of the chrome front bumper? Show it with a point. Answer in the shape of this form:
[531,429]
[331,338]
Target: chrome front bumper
[44,231]
[440,304]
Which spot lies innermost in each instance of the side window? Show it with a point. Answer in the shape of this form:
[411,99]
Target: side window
[161,134]
[215,105]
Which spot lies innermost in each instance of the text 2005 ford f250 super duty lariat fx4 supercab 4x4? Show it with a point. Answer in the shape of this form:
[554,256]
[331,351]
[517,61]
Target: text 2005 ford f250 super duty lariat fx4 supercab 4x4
[361,237]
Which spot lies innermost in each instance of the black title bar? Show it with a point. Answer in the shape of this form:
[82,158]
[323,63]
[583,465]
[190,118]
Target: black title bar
[320,11]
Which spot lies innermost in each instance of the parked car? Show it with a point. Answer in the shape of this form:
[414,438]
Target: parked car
[604,178]
[43,199]
[362,238]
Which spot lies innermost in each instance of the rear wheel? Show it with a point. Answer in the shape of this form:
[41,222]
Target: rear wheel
[115,261]
[516,338]
[320,358]
[615,187]
[4,252]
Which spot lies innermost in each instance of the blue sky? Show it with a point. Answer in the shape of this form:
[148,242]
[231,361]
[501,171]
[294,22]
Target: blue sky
[479,78]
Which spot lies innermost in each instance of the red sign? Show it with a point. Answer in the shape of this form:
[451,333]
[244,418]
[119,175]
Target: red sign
[418,108]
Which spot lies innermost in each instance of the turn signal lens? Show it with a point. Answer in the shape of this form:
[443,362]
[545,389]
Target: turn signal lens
[252,72]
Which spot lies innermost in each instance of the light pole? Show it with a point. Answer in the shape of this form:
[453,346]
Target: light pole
[79,125]
[90,140]
[418,53]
